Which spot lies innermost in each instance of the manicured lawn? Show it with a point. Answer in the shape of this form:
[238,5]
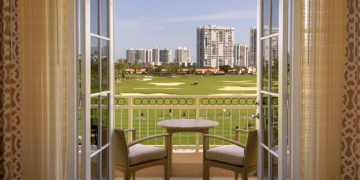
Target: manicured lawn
[206,85]
[147,124]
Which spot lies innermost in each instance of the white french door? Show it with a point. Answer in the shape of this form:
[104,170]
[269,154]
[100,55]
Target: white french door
[272,72]
[97,95]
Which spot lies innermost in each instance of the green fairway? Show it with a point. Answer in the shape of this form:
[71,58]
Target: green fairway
[146,124]
[147,84]
[145,120]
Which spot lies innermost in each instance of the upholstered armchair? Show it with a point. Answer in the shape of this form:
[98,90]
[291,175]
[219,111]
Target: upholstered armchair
[238,157]
[131,157]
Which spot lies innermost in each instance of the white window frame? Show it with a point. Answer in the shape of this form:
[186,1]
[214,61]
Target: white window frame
[73,97]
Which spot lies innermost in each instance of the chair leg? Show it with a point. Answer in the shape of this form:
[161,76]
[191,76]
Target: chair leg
[127,176]
[244,176]
[166,172]
[236,176]
[206,172]
[133,175]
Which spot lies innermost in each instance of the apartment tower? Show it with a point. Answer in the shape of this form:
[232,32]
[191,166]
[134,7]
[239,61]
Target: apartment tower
[156,56]
[182,55]
[165,55]
[215,46]
[252,47]
[241,55]
[136,55]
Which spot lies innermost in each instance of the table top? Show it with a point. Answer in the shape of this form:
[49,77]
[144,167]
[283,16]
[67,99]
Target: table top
[187,124]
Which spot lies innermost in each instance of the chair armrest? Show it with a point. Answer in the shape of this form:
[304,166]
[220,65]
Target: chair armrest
[206,136]
[237,133]
[147,138]
[133,133]
[241,130]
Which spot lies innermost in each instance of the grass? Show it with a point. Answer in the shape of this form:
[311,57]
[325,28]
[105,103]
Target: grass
[206,85]
[147,124]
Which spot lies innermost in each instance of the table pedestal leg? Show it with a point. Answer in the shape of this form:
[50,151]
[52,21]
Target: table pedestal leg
[171,152]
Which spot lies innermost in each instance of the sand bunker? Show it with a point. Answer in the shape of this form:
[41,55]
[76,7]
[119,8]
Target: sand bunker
[233,94]
[237,88]
[146,79]
[142,94]
[236,81]
[167,84]
[157,88]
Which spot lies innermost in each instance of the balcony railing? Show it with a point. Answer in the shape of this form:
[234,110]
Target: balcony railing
[144,112]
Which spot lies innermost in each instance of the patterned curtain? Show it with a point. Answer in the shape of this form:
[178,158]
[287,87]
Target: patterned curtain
[44,61]
[10,92]
[323,46]
[350,146]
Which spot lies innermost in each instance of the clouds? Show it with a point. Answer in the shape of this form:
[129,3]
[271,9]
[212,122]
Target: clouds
[128,24]
[238,14]
[155,24]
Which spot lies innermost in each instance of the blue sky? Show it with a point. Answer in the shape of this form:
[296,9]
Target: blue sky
[170,24]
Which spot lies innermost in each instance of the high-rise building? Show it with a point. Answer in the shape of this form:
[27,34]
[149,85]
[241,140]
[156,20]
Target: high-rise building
[149,56]
[131,54]
[165,55]
[182,55]
[215,46]
[136,54]
[141,55]
[241,54]
[252,47]
[156,56]
[274,45]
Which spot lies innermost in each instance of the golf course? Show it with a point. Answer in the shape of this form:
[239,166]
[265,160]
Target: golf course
[145,119]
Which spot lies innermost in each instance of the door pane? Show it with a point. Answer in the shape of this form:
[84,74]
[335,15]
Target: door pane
[270,166]
[265,62]
[274,122]
[265,119]
[266,17]
[104,18]
[104,120]
[274,65]
[94,65]
[94,123]
[94,167]
[275,16]
[104,164]
[94,16]
[104,65]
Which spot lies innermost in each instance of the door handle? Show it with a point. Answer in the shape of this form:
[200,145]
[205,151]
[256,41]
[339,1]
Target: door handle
[255,116]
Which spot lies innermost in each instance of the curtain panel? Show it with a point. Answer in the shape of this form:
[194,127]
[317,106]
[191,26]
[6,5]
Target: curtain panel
[10,92]
[323,36]
[44,61]
[350,146]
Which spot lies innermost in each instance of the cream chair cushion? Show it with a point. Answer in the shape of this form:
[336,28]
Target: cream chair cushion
[141,153]
[231,154]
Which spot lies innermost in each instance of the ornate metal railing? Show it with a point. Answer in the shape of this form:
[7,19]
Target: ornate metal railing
[143,113]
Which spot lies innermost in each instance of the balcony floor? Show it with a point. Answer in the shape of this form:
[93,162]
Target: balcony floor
[186,178]
[185,166]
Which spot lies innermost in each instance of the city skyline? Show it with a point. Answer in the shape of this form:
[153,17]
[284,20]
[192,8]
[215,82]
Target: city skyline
[172,25]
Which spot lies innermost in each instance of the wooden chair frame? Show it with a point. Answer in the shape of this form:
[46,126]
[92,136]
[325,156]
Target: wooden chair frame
[122,154]
[250,161]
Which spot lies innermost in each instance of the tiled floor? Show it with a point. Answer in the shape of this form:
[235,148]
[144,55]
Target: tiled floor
[186,166]
[187,178]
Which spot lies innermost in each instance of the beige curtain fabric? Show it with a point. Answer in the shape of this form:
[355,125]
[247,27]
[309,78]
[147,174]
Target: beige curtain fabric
[350,149]
[10,92]
[43,25]
[322,67]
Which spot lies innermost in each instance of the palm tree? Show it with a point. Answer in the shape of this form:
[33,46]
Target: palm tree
[120,66]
